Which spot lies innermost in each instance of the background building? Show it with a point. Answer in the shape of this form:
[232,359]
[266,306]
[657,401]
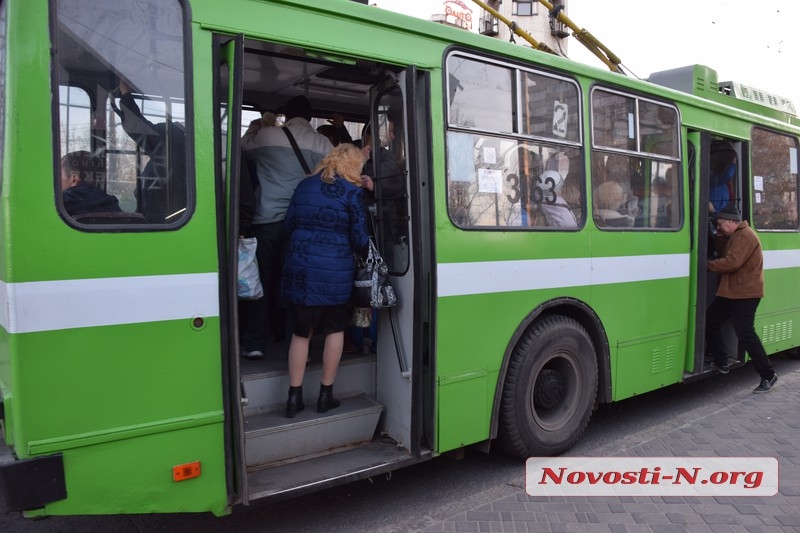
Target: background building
[529,15]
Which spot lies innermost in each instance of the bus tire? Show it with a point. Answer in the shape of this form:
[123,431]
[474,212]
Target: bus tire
[550,389]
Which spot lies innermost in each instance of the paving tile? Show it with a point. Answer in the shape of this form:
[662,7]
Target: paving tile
[752,426]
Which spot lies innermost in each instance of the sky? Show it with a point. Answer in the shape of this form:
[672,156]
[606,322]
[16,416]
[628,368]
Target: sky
[757,44]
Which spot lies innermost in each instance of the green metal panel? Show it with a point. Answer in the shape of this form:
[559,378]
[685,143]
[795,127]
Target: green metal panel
[124,402]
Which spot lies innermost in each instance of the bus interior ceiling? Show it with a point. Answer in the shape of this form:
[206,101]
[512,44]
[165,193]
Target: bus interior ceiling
[274,73]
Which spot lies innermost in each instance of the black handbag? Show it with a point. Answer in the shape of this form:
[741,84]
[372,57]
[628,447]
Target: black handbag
[371,286]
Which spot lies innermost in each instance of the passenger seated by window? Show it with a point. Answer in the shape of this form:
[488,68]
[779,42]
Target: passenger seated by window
[80,187]
[608,200]
[618,169]
[555,208]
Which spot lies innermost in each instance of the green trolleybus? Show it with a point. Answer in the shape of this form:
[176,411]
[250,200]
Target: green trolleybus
[545,224]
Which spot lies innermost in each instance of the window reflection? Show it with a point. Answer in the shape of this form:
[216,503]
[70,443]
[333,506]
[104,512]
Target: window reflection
[480,95]
[774,181]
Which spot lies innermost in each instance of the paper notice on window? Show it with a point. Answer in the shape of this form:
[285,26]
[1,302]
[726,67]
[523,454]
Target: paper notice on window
[489,155]
[758,183]
[490,180]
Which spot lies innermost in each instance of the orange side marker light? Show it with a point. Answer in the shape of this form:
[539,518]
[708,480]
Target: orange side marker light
[186,471]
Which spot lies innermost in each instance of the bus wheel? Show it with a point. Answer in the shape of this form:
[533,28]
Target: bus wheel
[549,390]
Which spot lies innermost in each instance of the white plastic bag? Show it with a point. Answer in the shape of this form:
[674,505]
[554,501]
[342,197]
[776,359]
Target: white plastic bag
[248,283]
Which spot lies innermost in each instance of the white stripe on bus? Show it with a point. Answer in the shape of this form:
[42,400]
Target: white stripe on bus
[775,259]
[460,279]
[55,305]
[81,303]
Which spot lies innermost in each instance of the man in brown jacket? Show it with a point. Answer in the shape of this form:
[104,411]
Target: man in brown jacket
[741,287]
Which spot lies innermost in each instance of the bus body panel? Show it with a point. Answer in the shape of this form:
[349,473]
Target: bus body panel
[88,367]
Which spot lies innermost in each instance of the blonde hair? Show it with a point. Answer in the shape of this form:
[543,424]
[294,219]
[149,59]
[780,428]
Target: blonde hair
[345,161]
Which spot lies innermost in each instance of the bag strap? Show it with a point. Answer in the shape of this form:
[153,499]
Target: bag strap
[373,252]
[296,148]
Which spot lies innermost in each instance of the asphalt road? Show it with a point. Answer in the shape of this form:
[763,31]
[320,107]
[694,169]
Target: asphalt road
[412,498]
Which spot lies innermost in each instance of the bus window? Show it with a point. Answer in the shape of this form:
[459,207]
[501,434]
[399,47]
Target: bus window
[503,178]
[550,107]
[75,114]
[481,95]
[122,100]
[635,156]
[774,163]
[613,120]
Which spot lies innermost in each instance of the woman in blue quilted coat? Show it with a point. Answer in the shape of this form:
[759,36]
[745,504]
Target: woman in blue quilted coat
[327,223]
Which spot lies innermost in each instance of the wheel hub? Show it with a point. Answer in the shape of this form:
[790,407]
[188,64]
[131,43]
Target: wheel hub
[550,389]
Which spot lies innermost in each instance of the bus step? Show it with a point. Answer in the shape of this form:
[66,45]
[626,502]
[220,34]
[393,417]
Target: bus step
[303,477]
[266,388]
[271,438]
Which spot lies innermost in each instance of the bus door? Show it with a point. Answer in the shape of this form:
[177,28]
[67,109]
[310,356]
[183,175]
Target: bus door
[396,168]
[377,426]
[228,95]
[721,168]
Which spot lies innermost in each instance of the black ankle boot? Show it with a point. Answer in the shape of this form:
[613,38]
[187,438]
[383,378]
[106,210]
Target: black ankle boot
[295,402]
[326,400]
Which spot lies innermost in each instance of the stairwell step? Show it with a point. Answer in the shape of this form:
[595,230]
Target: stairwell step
[273,438]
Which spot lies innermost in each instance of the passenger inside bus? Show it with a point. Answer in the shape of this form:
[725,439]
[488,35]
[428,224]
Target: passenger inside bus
[556,210]
[318,275]
[721,184]
[572,195]
[618,170]
[335,130]
[161,186]
[387,180]
[81,179]
[661,200]
[268,119]
[609,198]
[278,172]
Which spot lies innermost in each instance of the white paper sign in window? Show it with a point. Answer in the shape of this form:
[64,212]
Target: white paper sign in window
[490,180]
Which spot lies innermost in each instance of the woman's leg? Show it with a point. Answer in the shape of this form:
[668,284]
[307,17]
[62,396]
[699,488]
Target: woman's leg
[331,355]
[298,357]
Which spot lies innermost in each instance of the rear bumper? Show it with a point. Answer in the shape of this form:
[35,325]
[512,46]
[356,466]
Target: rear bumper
[31,483]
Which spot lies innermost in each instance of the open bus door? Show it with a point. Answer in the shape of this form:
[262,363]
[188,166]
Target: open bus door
[377,427]
[698,148]
[719,177]
[228,94]
[397,168]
